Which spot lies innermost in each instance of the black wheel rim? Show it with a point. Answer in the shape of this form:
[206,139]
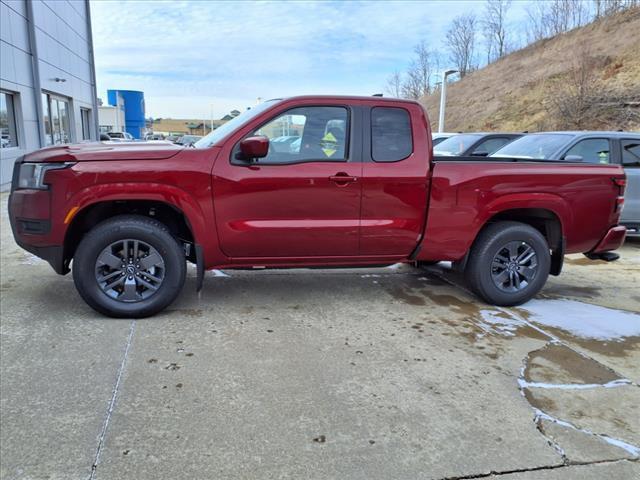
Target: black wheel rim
[514,266]
[129,270]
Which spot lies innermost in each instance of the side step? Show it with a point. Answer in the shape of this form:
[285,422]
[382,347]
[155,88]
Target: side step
[606,256]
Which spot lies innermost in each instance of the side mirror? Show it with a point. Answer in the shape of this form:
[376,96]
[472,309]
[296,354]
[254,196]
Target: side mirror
[574,158]
[254,147]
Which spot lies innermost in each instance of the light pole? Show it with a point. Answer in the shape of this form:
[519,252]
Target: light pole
[212,117]
[443,98]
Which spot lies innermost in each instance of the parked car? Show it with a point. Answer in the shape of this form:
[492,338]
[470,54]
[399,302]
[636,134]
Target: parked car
[618,148]
[104,137]
[154,136]
[283,144]
[188,140]
[358,195]
[173,138]
[474,144]
[121,136]
[437,138]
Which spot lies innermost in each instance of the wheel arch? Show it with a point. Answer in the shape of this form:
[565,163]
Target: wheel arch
[96,212]
[547,221]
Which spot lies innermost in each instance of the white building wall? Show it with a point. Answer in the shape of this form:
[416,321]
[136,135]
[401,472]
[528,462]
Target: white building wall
[57,42]
[110,118]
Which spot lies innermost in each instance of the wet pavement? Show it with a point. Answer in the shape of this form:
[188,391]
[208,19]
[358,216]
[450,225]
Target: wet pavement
[379,373]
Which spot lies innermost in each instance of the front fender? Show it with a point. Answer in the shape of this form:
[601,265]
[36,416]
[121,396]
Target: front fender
[169,194]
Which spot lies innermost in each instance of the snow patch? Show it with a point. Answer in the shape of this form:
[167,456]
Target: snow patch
[583,319]
[30,259]
[621,382]
[498,322]
[219,273]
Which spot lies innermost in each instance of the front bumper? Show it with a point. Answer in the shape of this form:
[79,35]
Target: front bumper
[31,234]
[612,240]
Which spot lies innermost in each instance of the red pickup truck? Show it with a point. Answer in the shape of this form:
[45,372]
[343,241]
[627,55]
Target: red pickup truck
[300,182]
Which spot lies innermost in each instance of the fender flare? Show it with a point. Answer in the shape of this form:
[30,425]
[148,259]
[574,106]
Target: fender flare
[171,195]
[528,201]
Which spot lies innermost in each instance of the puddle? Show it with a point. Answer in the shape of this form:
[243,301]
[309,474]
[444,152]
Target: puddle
[557,366]
[570,291]
[633,450]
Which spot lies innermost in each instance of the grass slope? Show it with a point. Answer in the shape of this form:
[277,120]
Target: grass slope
[516,92]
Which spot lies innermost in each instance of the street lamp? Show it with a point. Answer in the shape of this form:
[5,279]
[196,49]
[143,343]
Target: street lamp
[443,98]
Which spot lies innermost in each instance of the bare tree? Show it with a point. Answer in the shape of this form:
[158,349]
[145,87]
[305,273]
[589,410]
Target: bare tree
[605,8]
[574,101]
[418,80]
[461,38]
[494,23]
[546,19]
[394,85]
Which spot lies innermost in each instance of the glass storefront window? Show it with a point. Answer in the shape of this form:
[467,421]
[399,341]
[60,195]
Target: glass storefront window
[56,119]
[8,132]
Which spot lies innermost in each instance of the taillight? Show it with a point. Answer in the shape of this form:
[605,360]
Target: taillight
[621,183]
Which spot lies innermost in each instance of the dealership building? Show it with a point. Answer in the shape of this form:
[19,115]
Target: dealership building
[47,77]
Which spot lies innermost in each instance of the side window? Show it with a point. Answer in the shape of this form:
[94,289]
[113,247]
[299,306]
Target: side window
[489,146]
[390,134]
[592,150]
[631,153]
[8,132]
[306,134]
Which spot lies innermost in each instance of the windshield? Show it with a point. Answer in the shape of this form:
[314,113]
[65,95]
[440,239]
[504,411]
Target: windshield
[538,146]
[455,145]
[225,129]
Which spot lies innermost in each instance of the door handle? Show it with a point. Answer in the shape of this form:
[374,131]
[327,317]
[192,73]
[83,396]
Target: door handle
[342,178]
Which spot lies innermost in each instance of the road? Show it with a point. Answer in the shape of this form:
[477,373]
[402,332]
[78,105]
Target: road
[389,373]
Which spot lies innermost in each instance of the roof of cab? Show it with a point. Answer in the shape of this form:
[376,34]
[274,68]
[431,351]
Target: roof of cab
[349,97]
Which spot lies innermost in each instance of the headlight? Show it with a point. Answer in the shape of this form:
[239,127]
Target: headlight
[32,174]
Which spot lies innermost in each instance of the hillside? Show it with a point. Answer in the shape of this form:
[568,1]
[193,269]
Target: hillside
[588,78]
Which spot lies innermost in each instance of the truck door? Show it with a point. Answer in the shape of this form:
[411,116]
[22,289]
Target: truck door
[631,163]
[394,188]
[303,198]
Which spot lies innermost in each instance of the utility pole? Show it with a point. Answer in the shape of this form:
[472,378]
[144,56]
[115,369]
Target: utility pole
[443,98]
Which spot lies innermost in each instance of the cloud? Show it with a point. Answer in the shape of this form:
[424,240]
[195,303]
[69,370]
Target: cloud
[186,55]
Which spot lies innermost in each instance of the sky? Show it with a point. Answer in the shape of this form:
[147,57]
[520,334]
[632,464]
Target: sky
[197,59]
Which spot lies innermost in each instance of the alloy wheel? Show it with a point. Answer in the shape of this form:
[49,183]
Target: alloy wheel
[129,270]
[514,266]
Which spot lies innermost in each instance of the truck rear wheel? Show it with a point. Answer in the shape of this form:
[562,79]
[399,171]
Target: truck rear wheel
[129,266]
[508,264]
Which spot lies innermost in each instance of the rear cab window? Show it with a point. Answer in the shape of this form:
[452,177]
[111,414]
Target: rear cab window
[391,137]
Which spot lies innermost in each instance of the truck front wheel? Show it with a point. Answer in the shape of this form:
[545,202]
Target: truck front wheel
[129,266]
[508,264]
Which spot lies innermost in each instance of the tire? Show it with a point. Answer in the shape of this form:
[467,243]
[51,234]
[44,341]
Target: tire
[511,282]
[150,280]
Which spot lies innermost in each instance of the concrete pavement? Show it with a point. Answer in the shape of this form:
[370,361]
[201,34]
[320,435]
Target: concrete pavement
[391,373]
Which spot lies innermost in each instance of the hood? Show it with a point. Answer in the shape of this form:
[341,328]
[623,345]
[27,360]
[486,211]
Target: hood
[97,151]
